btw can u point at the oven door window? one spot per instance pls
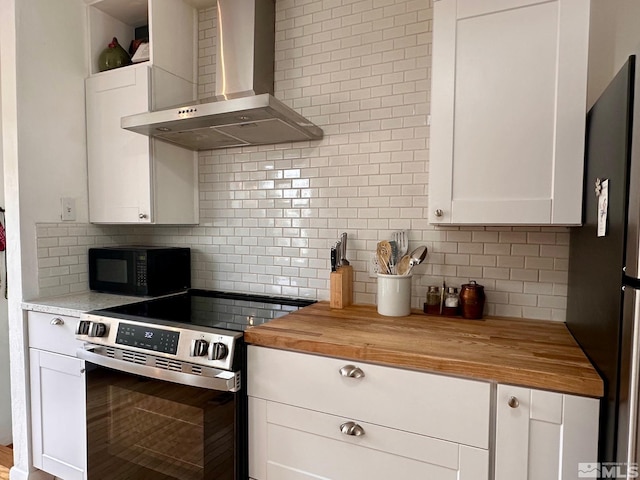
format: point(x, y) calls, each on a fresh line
point(140, 428)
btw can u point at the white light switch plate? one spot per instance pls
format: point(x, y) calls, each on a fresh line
point(68, 209)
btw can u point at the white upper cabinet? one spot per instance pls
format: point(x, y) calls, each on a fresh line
point(508, 102)
point(131, 178)
point(173, 31)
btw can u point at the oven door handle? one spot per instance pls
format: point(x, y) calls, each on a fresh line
point(224, 381)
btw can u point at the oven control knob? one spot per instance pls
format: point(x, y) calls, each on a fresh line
point(83, 327)
point(97, 329)
point(217, 351)
point(199, 347)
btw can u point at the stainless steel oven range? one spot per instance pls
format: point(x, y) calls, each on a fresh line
point(166, 396)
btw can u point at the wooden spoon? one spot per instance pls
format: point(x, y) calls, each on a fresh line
point(404, 265)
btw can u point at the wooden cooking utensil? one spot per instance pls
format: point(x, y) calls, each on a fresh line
point(383, 254)
point(404, 266)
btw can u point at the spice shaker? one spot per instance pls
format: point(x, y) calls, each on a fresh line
point(451, 301)
point(472, 300)
point(433, 300)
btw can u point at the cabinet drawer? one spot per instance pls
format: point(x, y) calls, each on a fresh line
point(47, 333)
point(297, 435)
point(438, 406)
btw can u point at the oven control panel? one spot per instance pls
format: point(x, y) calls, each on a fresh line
point(149, 338)
point(203, 346)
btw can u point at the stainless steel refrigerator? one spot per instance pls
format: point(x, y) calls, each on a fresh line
point(603, 307)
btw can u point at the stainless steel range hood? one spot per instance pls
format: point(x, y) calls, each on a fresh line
point(244, 111)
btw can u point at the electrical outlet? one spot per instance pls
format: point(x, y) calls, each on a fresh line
point(374, 268)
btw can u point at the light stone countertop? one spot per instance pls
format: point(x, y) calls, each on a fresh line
point(74, 304)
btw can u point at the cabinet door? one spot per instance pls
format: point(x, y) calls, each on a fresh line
point(508, 111)
point(119, 161)
point(542, 435)
point(58, 414)
point(293, 443)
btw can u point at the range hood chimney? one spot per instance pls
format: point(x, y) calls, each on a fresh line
point(244, 111)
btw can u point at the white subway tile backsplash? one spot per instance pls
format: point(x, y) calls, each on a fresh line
point(509, 286)
point(510, 261)
point(508, 310)
point(523, 275)
point(523, 299)
point(525, 250)
point(538, 313)
point(483, 260)
point(360, 70)
point(513, 237)
point(539, 263)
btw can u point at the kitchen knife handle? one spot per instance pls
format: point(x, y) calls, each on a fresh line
point(333, 259)
point(343, 250)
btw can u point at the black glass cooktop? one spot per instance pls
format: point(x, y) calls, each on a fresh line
point(209, 308)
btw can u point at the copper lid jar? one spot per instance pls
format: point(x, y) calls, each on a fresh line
point(472, 300)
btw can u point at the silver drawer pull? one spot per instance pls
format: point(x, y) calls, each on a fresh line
point(57, 321)
point(352, 428)
point(351, 371)
point(513, 402)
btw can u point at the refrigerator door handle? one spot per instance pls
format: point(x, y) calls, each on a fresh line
point(634, 384)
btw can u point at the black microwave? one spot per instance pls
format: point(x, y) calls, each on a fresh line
point(135, 270)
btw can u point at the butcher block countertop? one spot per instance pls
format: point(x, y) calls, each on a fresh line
point(528, 353)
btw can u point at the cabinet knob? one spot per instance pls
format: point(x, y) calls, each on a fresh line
point(513, 402)
point(439, 213)
point(142, 216)
point(57, 321)
point(352, 429)
point(351, 371)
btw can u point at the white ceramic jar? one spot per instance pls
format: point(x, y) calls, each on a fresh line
point(394, 295)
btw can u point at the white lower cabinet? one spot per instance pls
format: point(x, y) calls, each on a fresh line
point(304, 444)
point(313, 417)
point(542, 435)
point(58, 414)
point(57, 381)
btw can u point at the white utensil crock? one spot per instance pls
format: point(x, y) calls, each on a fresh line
point(394, 295)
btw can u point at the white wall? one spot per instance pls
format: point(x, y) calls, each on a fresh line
point(614, 35)
point(51, 123)
point(5, 391)
point(43, 69)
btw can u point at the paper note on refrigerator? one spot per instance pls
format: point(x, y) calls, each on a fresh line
point(603, 207)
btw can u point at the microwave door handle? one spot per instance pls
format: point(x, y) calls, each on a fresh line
point(224, 381)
